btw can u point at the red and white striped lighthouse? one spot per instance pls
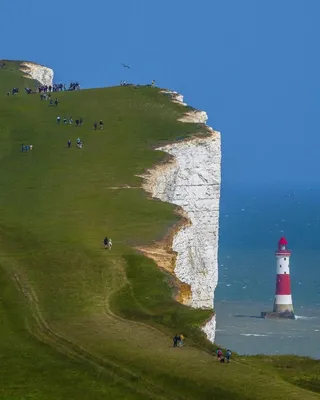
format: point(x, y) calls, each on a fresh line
point(283, 299)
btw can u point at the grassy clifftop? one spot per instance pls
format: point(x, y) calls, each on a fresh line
point(77, 321)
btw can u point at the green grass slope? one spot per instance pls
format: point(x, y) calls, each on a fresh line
point(76, 321)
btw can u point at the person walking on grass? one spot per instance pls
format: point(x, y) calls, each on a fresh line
point(219, 354)
point(176, 339)
point(101, 124)
point(106, 242)
point(181, 339)
point(56, 102)
point(228, 355)
point(58, 120)
point(95, 126)
point(69, 143)
point(80, 121)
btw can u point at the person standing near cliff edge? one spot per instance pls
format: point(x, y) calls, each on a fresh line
point(176, 338)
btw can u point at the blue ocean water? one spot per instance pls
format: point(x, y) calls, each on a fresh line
point(252, 220)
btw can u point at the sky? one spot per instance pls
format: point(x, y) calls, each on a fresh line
point(252, 65)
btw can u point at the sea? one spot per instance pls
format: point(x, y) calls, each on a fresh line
point(252, 220)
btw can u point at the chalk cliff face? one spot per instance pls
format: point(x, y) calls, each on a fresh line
point(38, 72)
point(191, 180)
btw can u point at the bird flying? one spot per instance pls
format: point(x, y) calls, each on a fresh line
point(125, 66)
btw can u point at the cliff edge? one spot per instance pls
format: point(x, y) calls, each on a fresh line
point(191, 180)
point(40, 73)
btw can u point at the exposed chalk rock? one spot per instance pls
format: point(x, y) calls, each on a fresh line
point(43, 75)
point(176, 97)
point(198, 117)
point(191, 180)
point(210, 328)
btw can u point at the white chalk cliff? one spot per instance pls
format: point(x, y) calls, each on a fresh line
point(191, 180)
point(43, 75)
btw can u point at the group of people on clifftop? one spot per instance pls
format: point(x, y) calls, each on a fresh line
point(58, 87)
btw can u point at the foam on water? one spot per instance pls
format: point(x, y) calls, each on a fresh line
point(252, 334)
point(304, 318)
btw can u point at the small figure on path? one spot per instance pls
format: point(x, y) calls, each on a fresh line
point(181, 339)
point(176, 339)
point(228, 355)
point(101, 124)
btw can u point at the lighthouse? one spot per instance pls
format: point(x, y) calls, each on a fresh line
point(282, 307)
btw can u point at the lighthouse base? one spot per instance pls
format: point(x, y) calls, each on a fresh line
point(277, 315)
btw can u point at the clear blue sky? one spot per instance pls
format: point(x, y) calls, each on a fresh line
point(253, 65)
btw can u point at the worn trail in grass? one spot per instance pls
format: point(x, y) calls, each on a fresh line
point(77, 321)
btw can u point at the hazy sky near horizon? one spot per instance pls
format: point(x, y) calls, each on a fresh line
point(254, 66)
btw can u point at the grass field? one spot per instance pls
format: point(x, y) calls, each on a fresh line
point(77, 322)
